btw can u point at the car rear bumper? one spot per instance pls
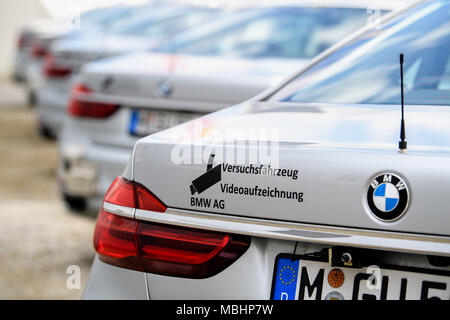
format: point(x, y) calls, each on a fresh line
point(33, 71)
point(252, 275)
point(113, 283)
point(52, 108)
point(88, 172)
point(20, 66)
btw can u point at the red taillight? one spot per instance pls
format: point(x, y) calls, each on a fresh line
point(187, 252)
point(81, 89)
point(158, 248)
point(21, 42)
point(121, 192)
point(38, 50)
point(162, 242)
point(114, 241)
point(147, 201)
point(53, 70)
point(80, 107)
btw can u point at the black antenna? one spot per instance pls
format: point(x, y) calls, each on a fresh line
point(402, 144)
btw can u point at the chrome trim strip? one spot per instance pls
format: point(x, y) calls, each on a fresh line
point(119, 210)
point(381, 240)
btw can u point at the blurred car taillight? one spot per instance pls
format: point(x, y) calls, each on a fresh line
point(53, 70)
point(159, 248)
point(38, 50)
point(21, 42)
point(80, 107)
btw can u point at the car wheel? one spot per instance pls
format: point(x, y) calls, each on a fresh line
point(75, 204)
point(46, 133)
point(31, 98)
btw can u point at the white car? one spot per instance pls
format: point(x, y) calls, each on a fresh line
point(66, 57)
point(327, 207)
point(221, 63)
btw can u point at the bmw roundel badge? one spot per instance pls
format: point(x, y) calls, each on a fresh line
point(387, 197)
point(164, 88)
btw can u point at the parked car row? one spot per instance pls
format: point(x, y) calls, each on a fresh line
point(299, 190)
point(217, 64)
point(36, 38)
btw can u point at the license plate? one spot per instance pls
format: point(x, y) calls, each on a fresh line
point(145, 122)
point(304, 279)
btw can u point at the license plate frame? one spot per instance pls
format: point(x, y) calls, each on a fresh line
point(330, 293)
point(147, 121)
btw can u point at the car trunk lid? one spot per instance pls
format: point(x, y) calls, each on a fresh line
point(182, 82)
point(327, 157)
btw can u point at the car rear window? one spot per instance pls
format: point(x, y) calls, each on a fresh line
point(291, 32)
point(367, 71)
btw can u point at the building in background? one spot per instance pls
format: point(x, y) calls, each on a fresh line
point(14, 14)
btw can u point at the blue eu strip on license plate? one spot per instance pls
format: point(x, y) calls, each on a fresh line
point(134, 122)
point(286, 276)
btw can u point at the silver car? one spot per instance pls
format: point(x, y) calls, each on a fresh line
point(30, 51)
point(221, 63)
point(322, 204)
point(66, 57)
point(36, 39)
point(25, 40)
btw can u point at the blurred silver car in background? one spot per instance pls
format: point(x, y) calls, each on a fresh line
point(337, 213)
point(35, 40)
point(29, 44)
point(118, 100)
point(65, 57)
point(27, 35)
